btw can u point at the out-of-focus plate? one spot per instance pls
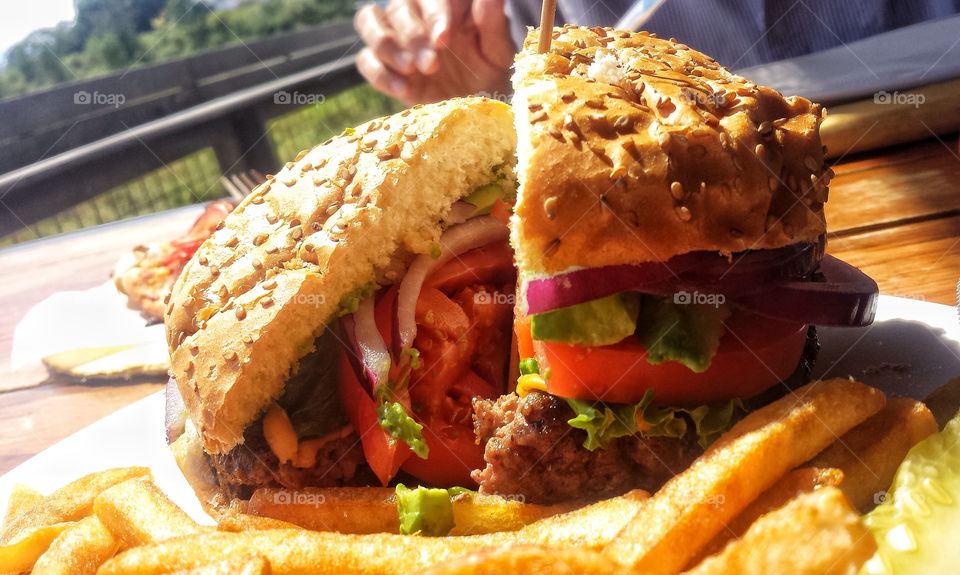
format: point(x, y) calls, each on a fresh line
point(913, 348)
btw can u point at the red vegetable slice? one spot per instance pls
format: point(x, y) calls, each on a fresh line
point(705, 272)
point(845, 297)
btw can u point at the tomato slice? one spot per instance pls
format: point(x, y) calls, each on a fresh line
point(454, 453)
point(492, 263)
point(754, 354)
point(383, 453)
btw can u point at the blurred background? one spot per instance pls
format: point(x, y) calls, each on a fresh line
point(117, 108)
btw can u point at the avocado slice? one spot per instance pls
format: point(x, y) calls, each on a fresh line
point(597, 322)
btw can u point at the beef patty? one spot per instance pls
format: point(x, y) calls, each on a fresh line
point(532, 452)
point(252, 464)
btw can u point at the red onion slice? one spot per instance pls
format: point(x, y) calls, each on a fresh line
point(175, 412)
point(473, 233)
point(845, 297)
point(373, 350)
point(367, 351)
point(706, 272)
point(460, 212)
point(348, 325)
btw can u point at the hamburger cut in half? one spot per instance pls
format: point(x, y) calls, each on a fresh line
point(297, 329)
point(669, 233)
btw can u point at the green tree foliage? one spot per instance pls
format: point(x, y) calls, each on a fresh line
point(111, 35)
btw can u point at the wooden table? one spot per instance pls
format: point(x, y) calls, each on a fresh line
point(893, 213)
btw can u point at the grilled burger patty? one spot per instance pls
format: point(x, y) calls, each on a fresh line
point(252, 465)
point(532, 452)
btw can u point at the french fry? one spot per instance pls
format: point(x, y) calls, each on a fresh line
point(242, 522)
point(19, 554)
point(817, 533)
point(79, 550)
point(694, 506)
point(69, 503)
point(21, 498)
point(797, 482)
point(234, 566)
point(870, 453)
point(137, 512)
point(539, 559)
point(319, 553)
point(341, 509)
point(374, 510)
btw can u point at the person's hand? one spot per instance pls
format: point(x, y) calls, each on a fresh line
point(429, 50)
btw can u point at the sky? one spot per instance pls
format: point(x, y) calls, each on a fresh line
point(19, 18)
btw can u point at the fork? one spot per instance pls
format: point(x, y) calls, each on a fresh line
point(240, 184)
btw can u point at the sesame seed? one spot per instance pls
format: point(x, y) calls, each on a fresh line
point(257, 264)
point(241, 312)
point(683, 212)
point(257, 200)
point(270, 284)
point(811, 164)
point(288, 165)
point(259, 239)
point(272, 218)
point(538, 117)
point(556, 133)
point(595, 104)
point(550, 207)
point(308, 248)
point(296, 234)
point(229, 355)
point(203, 260)
point(676, 190)
point(214, 271)
point(773, 183)
point(266, 302)
point(232, 242)
point(246, 338)
point(568, 96)
point(765, 128)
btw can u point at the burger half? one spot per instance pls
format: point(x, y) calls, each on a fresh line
point(669, 233)
point(336, 327)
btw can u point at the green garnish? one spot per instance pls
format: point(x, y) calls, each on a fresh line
point(395, 420)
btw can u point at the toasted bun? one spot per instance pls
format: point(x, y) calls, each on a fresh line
point(255, 296)
point(635, 149)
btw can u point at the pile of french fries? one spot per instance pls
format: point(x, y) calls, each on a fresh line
point(781, 492)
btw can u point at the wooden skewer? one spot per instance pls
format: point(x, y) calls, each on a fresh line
point(547, 13)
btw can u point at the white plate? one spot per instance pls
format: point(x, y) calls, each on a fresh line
point(922, 340)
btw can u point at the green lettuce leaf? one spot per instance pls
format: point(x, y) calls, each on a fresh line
point(395, 420)
point(687, 333)
point(605, 422)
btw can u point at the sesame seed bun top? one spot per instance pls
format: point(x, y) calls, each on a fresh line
point(635, 149)
point(256, 295)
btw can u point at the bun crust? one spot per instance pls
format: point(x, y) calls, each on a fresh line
point(250, 303)
point(636, 149)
